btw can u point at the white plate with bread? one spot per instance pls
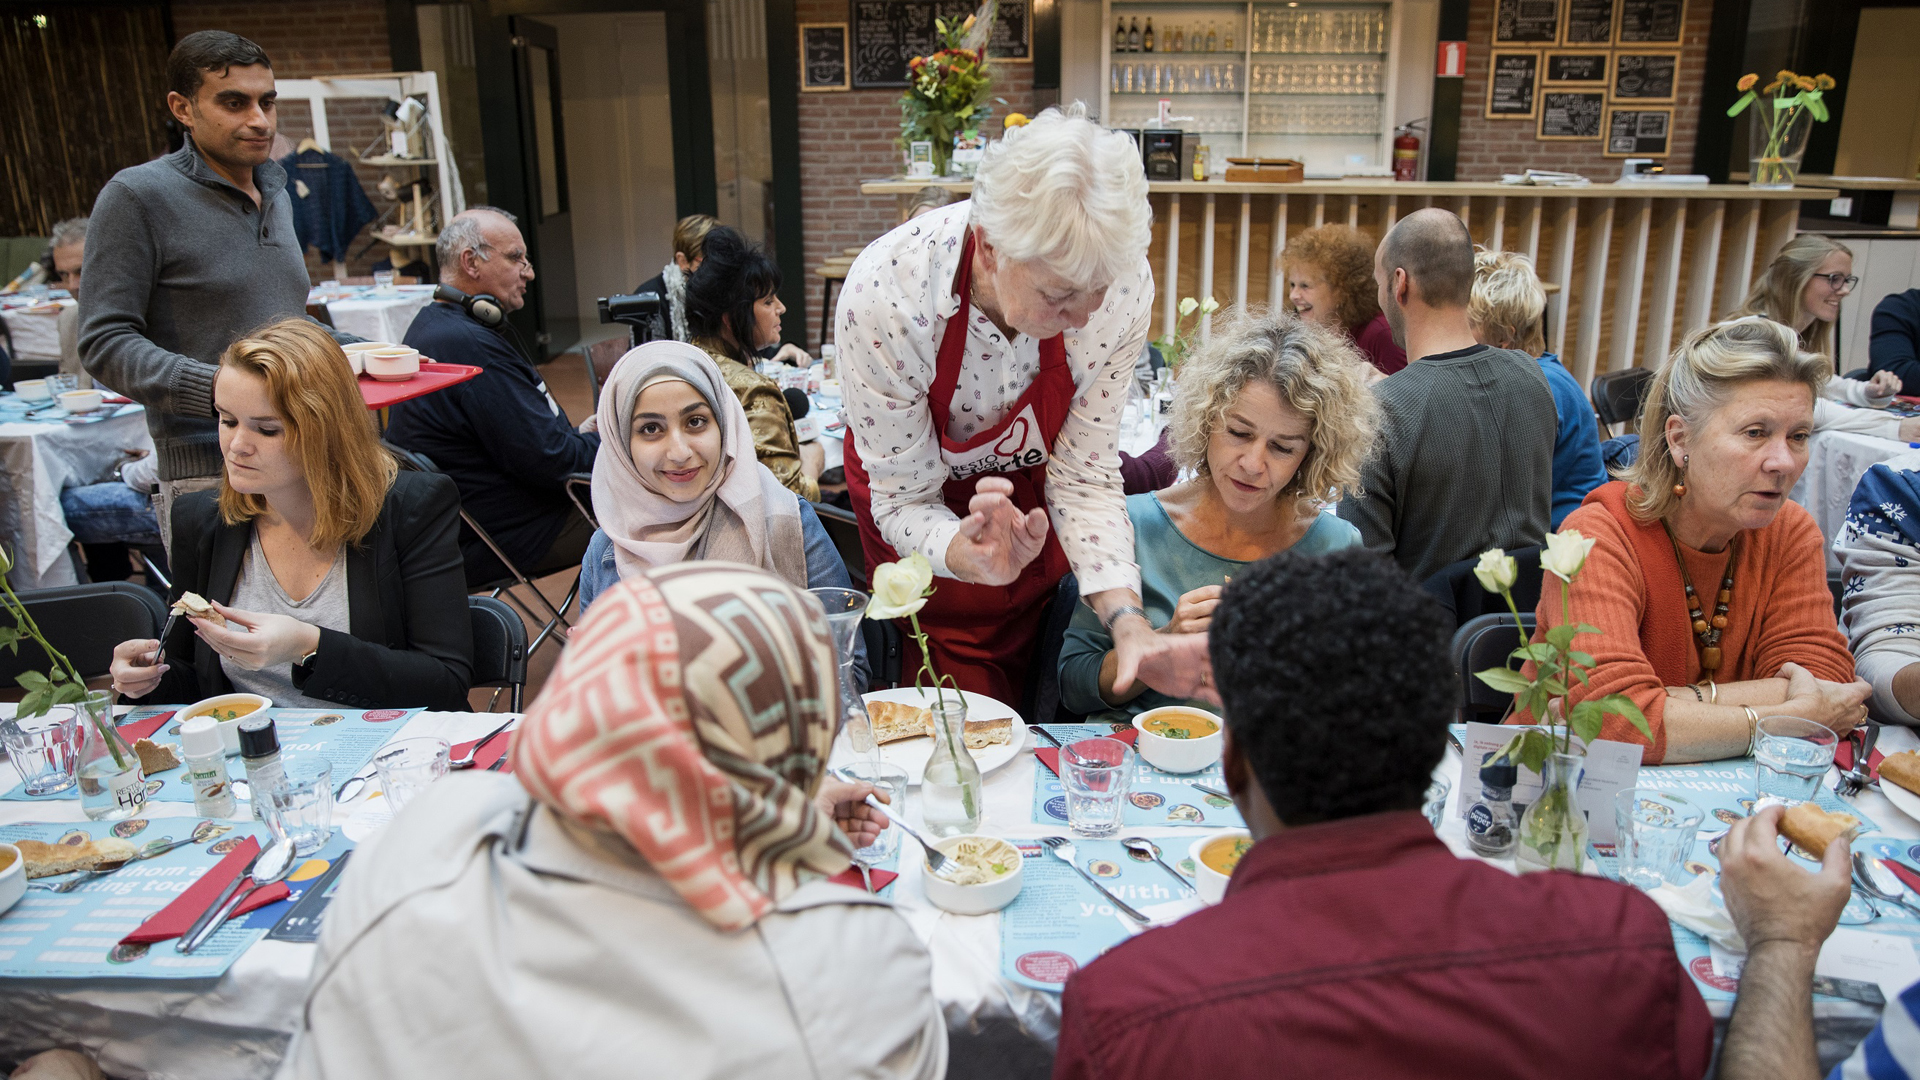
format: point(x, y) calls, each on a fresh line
point(904, 722)
point(1906, 765)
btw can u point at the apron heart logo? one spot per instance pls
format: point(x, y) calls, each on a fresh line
point(1014, 440)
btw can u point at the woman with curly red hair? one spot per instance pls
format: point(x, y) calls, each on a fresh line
point(1330, 281)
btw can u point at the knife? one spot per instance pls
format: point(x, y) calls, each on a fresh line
point(186, 942)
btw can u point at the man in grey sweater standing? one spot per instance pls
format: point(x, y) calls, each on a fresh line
point(190, 251)
point(1466, 450)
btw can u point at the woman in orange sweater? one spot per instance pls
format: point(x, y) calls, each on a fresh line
point(1707, 585)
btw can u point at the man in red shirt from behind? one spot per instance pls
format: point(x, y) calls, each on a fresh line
point(1352, 942)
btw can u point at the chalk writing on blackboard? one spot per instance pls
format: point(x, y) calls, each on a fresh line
point(1638, 132)
point(1645, 22)
point(888, 33)
point(1644, 76)
point(1571, 114)
point(1517, 22)
point(1589, 68)
point(1512, 79)
point(1589, 22)
point(823, 57)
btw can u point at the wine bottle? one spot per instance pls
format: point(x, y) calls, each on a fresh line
point(1213, 38)
point(1179, 38)
point(1133, 36)
point(1146, 39)
point(1120, 34)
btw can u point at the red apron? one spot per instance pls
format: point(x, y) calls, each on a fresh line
point(985, 636)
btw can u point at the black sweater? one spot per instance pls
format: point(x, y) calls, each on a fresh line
point(1895, 343)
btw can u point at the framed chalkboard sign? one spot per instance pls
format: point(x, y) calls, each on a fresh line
point(1526, 22)
point(1513, 84)
point(1645, 77)
point(888, 33)
point(823, 58)
point(1575, 67)
point(1650, 22)
point(1571, 114)
point(1589, 22)
point(1638, 132)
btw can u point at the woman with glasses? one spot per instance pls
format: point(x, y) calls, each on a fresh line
point(1802, 287)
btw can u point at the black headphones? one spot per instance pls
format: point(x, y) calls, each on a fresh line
point(484, 309)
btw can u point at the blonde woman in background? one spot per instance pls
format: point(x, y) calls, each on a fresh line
point(689, 248)
point(1802, 287)
point(1274, 417)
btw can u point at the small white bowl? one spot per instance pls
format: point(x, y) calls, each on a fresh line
point(1210, 884)
point(354, 352)
point(391, 365)
point(973, 899)
point(229, 729)
point(81, 401)
point(33, 390)
point(1178, 755)
point(13, 876)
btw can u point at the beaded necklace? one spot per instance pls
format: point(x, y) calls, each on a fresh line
point(1707, 631)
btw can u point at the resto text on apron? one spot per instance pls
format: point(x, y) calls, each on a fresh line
point(985, 636)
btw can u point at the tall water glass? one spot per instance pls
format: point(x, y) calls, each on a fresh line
point(45, 749)
point(304, 802)
point(845, 608)
point(1096, 774)
point(892, 780)
point(1792, 755)
point(1656, 831)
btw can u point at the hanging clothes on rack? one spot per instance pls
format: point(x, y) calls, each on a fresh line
point(329, 205)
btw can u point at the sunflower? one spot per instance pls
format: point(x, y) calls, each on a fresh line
point(1803, 82)
point(1747, 81)
point(1824, 82)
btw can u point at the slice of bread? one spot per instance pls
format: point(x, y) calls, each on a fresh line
point(199, 607)
point(1813, 828)
point(46, 860)
point(156, 757)
point(984, 733)
point(894, 721)
point(1902, 768)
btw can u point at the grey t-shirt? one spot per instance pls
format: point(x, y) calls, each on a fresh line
point(326, 607)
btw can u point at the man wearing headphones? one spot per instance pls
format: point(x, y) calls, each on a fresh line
point(501, 436)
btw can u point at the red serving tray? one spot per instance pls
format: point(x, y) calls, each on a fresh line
point(432, 377)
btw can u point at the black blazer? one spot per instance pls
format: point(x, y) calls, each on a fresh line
point(412, 641)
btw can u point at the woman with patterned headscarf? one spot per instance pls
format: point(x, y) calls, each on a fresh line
point(649, 893)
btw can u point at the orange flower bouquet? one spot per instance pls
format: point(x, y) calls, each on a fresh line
point(1787, 108)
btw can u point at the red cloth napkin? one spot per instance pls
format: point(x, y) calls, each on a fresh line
point(117, 399)
point(142, 729)
point(1050, 755)
point(489, 753)
point(1904, 872)
point(177, 918)
point(851, 876)
point(1843, 757)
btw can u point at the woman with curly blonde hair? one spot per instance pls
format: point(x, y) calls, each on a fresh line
point(1273, 421)
point(1330, 282)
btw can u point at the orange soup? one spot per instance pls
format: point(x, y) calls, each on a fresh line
point(227, 712)
point(6, 859)
point(1180, 724)
point(1224, 853)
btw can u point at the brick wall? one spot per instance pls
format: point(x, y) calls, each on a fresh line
point(849, 137)
point(1489, 148)
point(316, 37)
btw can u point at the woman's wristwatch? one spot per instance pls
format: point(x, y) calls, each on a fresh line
point(1123, 611)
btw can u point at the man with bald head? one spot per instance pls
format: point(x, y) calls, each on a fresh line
point(501, 436)
point(1466, 455)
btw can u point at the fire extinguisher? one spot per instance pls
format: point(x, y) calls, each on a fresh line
point(1406, 150)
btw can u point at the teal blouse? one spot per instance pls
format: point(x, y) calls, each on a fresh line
point(1170, 566)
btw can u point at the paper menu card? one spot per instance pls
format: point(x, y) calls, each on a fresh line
point(1611, 767)
point(1060, 924)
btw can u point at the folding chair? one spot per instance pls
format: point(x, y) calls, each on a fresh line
point(601, 356)
point(499, 649)
point(1483, 643)
point(844, 529)
point(580, 490)
point(1617, 395)
point(85, 622)
point(554, 623)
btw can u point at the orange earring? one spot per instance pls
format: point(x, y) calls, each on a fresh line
point(1680, 489)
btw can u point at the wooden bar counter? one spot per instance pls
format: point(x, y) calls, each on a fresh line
point(1631, 267)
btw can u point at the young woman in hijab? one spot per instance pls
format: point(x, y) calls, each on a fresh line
point(648, 893)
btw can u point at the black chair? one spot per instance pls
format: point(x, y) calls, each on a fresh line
point(580, 490)
point(844, 529)
point(1837, 585)
point(1859, 374)
point(1480, 644)
point(499, 649)
point(85, 622)
point(1462, 595)
point(1617, 396)
point(601, 356)
point(1042, 704)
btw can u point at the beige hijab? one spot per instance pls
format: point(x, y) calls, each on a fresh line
point(745, 515)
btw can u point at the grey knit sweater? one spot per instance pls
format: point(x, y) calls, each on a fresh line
point(1465, 461)
point(179, 264)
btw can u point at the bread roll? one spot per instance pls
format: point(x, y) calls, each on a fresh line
point(1902, 768)
point(981, 734)
point(1813, 828)
point(894, 721)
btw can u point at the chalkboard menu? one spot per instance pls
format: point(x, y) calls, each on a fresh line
point(1526, 22)
point(888, 33)
point(823, 57)
point(1638, 132)
point(1571, 114)
point(1512, 80)
point(1589, 22)
point(1644, 76)
point(1648, 22)
point(1580, 68)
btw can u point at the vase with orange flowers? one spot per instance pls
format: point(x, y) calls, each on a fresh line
point(1782, 118)
point(947, 90)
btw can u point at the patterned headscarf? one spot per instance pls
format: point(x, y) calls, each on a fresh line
point(692, 715)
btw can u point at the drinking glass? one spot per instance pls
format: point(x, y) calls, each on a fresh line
point(1096, 774)
point(845, 608)
point(1791, 756)
point(304, 802)
point(45, 750)
point(891, 779)
point(383, 282)
point(60, 384)
point(407, 766)
point(1656, 830)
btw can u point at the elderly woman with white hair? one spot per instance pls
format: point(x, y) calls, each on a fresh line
point(986, 349)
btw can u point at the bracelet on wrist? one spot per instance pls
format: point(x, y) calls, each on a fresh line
point(1122, 612)
point(1753, 727)
point(1696, 693)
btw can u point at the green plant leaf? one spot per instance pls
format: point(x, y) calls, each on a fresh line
point(1622, 706)
point(32, 680)
point(1562, 636)
point(1505, 680)
point(1539, 652)
point(1585, 660)
point(1586, 721)
point(1535, 747)
point(1817, 107)
point(1740, 106)
point(68, 693)
point(34, 704)
point(1556, 686)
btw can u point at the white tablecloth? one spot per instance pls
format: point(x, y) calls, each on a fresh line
point(1836, 461)
point(376, 318)
point(38, 459)
point(36, 335)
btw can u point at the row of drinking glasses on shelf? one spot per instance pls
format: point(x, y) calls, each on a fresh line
point(1295, 31)
point(1174, 77)
point(1206, 118)
point(1317, 77)
point(1314, 118)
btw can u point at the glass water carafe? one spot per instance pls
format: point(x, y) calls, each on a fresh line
point(112, 784)
point(950, 791)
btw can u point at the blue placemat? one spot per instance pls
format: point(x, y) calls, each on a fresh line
point(1156, 799)
point(1060, 924)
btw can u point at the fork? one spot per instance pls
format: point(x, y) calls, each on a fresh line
point(1859, 776)
point(1863, 876)
point(936, 859)
point(465, 761)
point(1062, 849)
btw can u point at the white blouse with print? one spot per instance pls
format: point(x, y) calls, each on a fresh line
point(893, 311)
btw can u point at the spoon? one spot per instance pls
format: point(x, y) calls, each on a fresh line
point(936, 859)
point(269, 867)
point(1867, 874)
point(1146, 848)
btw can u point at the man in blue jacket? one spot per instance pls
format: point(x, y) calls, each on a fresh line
point(1895, 342)
point(501, 437)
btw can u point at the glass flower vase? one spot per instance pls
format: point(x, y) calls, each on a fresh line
point(1553, 831)
point(1776, 143)
point(950, 793)
point(112, 784)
